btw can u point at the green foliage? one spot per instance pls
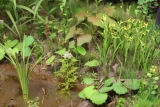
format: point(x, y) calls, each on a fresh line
point(1, 29)
point(132, 84)
point(88, 80)
point(10, 50)
point(99, 96)
point(143, 102)
point(33, 103)
point(144, 6)
point(132, 43)
point(149, 86)
point(37, 50)
point(50, 60)
point(5, 5)
point(61, 52)
point(119, 88)
point(121, 102)
point(92, 63)
point(68, 72)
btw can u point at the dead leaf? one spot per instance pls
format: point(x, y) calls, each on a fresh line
point(110, 11)
point(73, 31)
point(81, 40)
point(96, 20)
point(81, 15)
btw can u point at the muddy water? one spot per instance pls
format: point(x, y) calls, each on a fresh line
point(41, 85)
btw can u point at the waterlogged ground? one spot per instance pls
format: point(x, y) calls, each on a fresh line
point(41, 85)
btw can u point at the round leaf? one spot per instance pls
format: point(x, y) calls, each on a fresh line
point(119, 88)
point(98, 98)
point(19, 46)
point(10, 43)
point(88, 91)
point(88, 80)
point(28, 40)
point(81, 95)
point(132, 84)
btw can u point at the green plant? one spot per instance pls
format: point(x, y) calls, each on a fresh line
point(132, 39)
point(11, 51)
point(149, 86)
point(97, 2)
point(17, 17)
point(38, 50)
point(33, 103)
point(143, 102)
point(68, 72)
point(5, 5)
point(100, 95)
point(144, 6)
point(1, 29)
point(121, 102)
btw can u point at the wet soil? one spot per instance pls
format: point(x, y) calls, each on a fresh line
point(41, 85)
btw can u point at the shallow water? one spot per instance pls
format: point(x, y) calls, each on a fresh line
point(41, 85)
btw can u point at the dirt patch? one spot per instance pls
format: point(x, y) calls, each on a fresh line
point(43, 86)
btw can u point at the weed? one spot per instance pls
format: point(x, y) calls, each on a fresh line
point(68, 72)
point(149, 86)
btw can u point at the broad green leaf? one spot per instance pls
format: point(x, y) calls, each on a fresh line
point(119, 88)
point(105, 89)
point(9, 51)
point(81, 50)
point(88, 91)
point(92, 63)
point(99, 98)
point(133, 84)
point(15, 51)
point(10, 43)
point(50, 60)
point(88, 80)
point(2, 53)
point(109, 81)
point(61, 52)
point(26, 52)
point(28, 40)
point(81, 95)
point(19, 46)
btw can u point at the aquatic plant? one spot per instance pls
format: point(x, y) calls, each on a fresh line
point(11, 50)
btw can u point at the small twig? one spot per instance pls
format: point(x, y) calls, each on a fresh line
point(44, 93)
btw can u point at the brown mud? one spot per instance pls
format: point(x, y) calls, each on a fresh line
point(41, 85)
